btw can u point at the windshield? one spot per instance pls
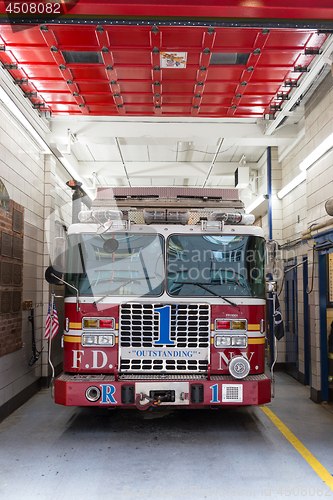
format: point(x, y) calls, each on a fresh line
point(115, 264)
point(207, 265)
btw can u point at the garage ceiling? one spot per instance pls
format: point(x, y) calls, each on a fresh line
point(162, 102)
point(166, 71)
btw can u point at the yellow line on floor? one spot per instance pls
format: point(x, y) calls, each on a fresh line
point(312, 461)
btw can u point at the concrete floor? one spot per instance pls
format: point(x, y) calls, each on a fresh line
point(57, 453)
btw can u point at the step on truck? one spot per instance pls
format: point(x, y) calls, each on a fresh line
point(164, 302)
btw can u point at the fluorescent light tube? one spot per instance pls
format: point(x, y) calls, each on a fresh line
point(317, 153)
point(291, 185)
point(255, 204)
point(4, 97)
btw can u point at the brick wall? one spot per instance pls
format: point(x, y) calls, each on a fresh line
point(11, 269)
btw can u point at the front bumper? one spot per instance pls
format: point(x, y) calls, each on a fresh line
point(220, 390)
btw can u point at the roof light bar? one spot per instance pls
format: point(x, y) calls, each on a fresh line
point(163, 216)
point(100, 215)
point(233, 218)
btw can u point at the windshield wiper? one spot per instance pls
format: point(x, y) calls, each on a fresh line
point(201, 285)
point(123, 284)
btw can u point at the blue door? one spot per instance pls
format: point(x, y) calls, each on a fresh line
point(290, 322)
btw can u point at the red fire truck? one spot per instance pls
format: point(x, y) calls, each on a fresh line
point(164, 302)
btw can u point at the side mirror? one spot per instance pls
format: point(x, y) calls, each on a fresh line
point(54, 276)
point(271, 286)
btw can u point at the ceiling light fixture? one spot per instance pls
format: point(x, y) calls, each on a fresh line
point(258, 201)
point(325, 146)
point(15, 111)
point(291, 185)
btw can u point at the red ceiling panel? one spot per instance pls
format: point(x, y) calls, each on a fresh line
point(181, 39)
point(46, 87)
point(224, 73)
point(138, 98)
point(26, 56)
point(41, 71)
point(128, 36)
point(131, 77)
point(78, 37)
point(134, 72)
point(131, 57)
point(236, 39)
point(219, 100)
point(175, 75)
point(179, 86)
point(177, 99)
point(139, 86)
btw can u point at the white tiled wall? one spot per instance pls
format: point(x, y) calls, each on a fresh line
point(37, 183)
point(304, 206)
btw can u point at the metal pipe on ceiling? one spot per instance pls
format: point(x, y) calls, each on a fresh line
point(213, 161)
point(123, 161)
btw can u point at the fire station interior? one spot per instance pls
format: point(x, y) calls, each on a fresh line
point(157, 100)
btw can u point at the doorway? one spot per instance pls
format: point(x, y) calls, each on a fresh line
point(291, 324)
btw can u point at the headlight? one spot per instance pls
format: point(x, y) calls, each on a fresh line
point(96, 339)
point(239, 340)
point(222, 340)
point(105, 340)
point(230, 340)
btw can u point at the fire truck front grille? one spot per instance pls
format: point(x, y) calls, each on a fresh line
point(187, 336)
point(165, 365)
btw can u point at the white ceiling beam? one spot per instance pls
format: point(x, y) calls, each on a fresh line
point(149, 169)
point(125, 129)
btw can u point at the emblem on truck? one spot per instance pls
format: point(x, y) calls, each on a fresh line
point(164, 328)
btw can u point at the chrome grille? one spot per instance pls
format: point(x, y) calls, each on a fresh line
point(139, 331)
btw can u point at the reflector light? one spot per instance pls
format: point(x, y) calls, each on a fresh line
point(90, 323)
point(106, 323)
point(235, 324)
point(239, 325)
point(222, 325)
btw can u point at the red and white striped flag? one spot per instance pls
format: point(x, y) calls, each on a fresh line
point(55, 322)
